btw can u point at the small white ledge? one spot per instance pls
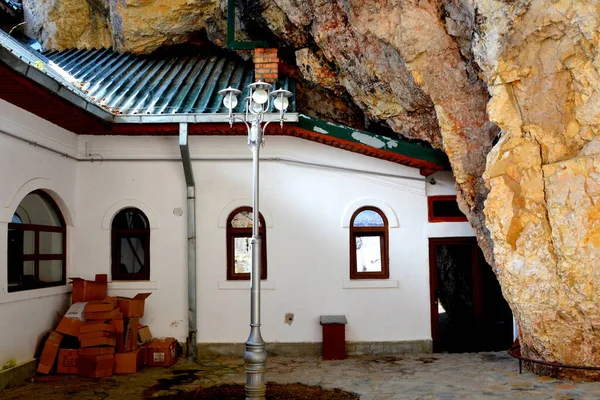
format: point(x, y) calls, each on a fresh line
point(133, 285)
point(370, 284)
point(245, 285)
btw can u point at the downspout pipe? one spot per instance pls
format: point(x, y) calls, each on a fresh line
point(186, 161)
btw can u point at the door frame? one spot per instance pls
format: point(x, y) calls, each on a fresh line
point(433, 283)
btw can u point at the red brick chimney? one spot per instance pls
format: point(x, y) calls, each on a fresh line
point(266, 65)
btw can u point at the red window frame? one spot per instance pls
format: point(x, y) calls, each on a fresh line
point(430, 211)
point(361, 231)
point(233, 233)
point(140, 233)
point(36, 257)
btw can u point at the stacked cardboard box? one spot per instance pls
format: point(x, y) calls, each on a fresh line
point(107, 335)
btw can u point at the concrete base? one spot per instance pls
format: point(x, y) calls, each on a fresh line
point(389, 348)
point(315, 349)
point(18, 374)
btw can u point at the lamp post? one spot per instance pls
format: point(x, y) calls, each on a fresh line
point(256, 105)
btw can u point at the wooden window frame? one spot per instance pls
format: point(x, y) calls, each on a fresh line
point(36, 257)
point(117, 235)
point(233, 233)
point(361, 231)
point(432, 218)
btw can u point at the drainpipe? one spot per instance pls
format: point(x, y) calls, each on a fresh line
point(191, 233)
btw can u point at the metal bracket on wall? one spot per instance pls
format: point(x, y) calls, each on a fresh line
point(233, 44)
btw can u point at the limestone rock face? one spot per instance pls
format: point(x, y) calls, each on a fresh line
point(142, 26)
point(62, 24)
point(540, 61)
point(135, 26)
point(508, 89)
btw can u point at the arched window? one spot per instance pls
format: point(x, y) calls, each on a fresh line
point(239, 249)
point(130, 233)
point(37, 244)
point(369, 244)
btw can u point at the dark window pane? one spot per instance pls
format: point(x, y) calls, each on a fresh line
point(28, 242)
point(368, 218)
point(16, 219)
point(132, 255)
point(368, 254)
point(51, 271)
point(129, 219)
point(446, 208)
point(242, 253)
point(51, 242)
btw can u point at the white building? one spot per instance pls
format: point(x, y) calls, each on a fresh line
point(115, 177)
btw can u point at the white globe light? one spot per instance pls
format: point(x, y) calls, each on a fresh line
point(230, 101)
point(255, 107)
point(260, 96)
point(281, 103)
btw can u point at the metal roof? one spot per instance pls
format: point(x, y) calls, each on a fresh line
point(154, 84)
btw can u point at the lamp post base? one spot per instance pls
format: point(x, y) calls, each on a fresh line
point(255, 358)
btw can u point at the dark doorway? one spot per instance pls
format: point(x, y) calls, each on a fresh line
point(468, 312)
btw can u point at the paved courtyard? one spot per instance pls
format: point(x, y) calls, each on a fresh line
point(423, 377)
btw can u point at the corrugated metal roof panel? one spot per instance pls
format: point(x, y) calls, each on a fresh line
point(155, 84)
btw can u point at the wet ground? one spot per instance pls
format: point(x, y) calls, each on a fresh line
point(422, 377)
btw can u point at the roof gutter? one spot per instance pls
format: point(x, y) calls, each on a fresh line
point(194, 118)
point(191, 234)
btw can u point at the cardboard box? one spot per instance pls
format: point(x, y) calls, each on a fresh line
point(131, 334)
point(69, 326)
point(94, 326)
point(133, 307)
point(117, 323)
point(96, 366)
point(144, 335)
point(162, 352)
point(96, 351)
point(97, 334)
point(144, 350)
point(89, 290)
point(129, 363)
point(99, 341)
point(50, 352)
point(120, 343)
point(67, 361)
point(101, 315)
point(108, 304)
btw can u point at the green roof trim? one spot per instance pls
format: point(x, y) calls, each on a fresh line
point(380, 142)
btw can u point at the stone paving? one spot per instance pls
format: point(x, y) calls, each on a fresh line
point(422, 377)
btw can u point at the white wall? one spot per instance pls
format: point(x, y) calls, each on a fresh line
point(25, 316)
point(306, 209)
point(156, 188)
point(308, 248)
